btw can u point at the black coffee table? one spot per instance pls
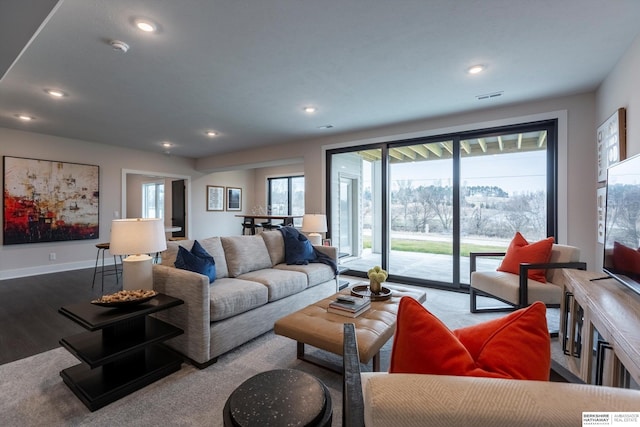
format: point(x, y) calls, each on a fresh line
point(121, 353)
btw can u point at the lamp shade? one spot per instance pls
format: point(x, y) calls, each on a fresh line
point(314, 223)
point(135, 236)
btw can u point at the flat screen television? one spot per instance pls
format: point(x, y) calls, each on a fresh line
point(621, 258)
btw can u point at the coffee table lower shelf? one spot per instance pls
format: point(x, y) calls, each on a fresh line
point(100, 386)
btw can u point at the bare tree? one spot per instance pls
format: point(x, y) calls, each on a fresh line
point(403, 197)
point(517, 210)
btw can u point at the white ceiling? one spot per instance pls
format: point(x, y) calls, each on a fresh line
point(246, 68)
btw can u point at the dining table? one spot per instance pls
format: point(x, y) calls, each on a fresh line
point(249, 222)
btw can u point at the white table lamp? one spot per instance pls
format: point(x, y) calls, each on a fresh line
point(137, 238)
point(314, 224)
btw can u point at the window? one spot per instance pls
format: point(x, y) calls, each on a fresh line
point(286, 197)
point(418, 207)
point(153, 200)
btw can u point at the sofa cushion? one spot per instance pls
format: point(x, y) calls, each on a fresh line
point(197, 260)
point(168, 257)
point(316, 273)
point(513, 346)
point(520, 251)
point(275, 246)
point(245, 253)
point(279, 283)
point(229, 297)
point(211, 244)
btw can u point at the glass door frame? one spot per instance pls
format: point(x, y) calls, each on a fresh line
point(551, 126)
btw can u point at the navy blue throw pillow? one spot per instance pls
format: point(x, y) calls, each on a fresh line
point(299, 251)
point(198, 260)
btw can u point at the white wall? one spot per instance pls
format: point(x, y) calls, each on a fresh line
point(28, 259)
point(621, 89)
point(220, 223)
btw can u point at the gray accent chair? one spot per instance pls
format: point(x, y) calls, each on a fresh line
point(517, 290)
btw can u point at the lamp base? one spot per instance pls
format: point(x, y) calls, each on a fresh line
point(315, 238)
point(137, 273)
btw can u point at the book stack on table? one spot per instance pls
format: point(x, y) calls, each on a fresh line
point(350, 306)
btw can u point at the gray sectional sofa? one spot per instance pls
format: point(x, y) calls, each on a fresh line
point(253, 288)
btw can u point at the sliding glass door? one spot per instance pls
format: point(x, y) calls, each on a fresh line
point(503, 190)
point(417, 208)
point(421, 211)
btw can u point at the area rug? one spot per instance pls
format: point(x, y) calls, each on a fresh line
point(32, 392)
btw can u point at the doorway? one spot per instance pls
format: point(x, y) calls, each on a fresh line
point(178, 207)
point(132, 198)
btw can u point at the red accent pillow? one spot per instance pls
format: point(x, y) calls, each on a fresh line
point(625, 258)
point(520, 251)
point(514, 346)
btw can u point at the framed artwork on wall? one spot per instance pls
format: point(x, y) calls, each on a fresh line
point(49, 201)
point(215, 198)
point(611, 142)
point(234, 199)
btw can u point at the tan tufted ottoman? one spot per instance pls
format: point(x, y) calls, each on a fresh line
point(313, 325)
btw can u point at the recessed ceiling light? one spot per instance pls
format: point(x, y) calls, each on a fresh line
point(310, 109)
point(55, 93)
point(25, 117)
point(476, 69)
point(211, 133)
point(166, 144)
point(145, 25)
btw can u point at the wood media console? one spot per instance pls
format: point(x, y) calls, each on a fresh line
point(600, 330)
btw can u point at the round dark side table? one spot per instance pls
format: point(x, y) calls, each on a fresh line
point(282, 397)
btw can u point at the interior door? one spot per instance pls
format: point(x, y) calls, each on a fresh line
point(178, 207)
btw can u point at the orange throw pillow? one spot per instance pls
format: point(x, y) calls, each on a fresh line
point(520, 251)
point(515, 346)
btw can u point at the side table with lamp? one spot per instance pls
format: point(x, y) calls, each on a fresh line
point(122, 350)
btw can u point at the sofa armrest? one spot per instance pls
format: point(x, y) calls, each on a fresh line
point(474, 255)
point(403, 400)
point(331, 251)
point(524, 275)
point(352, 399)
point(193, 316)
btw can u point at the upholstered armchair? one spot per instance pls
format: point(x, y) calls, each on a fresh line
point(517, 290)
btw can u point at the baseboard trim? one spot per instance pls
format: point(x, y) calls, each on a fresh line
point(45, 269)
